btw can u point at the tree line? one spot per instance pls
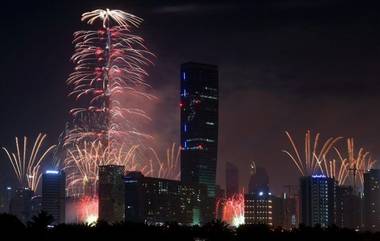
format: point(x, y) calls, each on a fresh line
point(39, 228)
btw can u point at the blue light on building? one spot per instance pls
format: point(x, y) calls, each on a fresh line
point(52, 172)
point(318, 176)
point(199, 94)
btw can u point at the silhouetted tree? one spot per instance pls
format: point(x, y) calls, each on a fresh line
point(41, 221)
point(216, 230)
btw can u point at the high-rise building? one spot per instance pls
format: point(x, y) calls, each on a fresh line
point(220, 198)
point(53, 194)
point(111, 193)
point(278, 211)
point(157, 200)
point(348, 209)
point(232, 179)
point(258, 208)
point(290, 211)
point(259, 180)
point(199, 124)
point(5, 199)
point(21, 204)
point(317, 200)
point(36, 205)
point(372, 200)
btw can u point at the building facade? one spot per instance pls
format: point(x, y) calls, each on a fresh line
point(111, 193)
point(36, 205)
point(317, 200)
point(199, 124)
point(5, 199)
point(372, 200)
point(54, 194)
point(258, 208)
point(259, 180)
point(290, 211)
point(21, 204)
point(348, 209)
point(156, 201)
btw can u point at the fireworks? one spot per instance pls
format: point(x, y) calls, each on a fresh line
point(109, 80)
point(109, 67)
point(309, 164)
point(233, 209)
point(27, 163)
point(339, 167)
point(88, 207)
point(338, 170)
point(168, 168)
point(83, 167)
point(354, 163)
point(83, 163)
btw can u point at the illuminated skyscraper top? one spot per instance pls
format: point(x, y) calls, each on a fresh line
point(199, 124)
point(53, 194)
point(317, 200)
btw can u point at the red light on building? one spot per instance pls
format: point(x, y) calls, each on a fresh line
point(98, 51)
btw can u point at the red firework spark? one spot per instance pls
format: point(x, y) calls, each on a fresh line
point(87, 209)
point(233, 209)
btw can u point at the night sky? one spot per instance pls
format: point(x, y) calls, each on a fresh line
point(284, 65)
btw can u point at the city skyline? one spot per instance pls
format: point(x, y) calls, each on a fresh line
point(268, 81)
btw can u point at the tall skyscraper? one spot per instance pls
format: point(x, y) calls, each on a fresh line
point(5, 199)
point(53, 194)
point(36, 205)
point(232, 179)
point(259, 180)
point(199, 124)
point(290, 211)
point(317, 200)
point(372, 200)
point(111, 193)
point(348, 209)
point(21, 204)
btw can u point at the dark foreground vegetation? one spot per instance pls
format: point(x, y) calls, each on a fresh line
point(38, 229)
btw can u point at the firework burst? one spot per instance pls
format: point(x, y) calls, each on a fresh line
point(337, 169)
point(168, 168)
point(352, 162)
point(109, 67)
point(88, 209)
point(109, 81)
point(83, 161)
point(311, 162)
point(26, 163)
point(233, 209)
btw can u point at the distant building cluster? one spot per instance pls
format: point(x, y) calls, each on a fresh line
point(196, 199)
